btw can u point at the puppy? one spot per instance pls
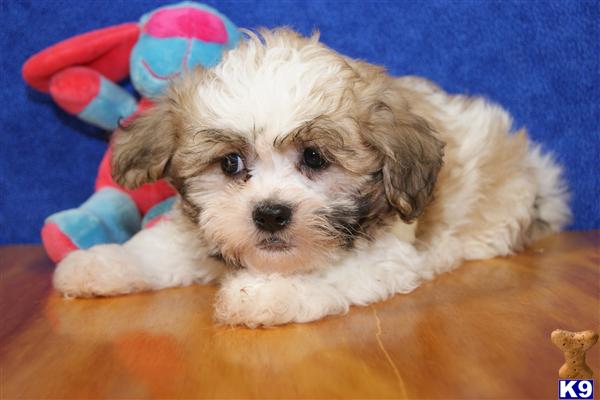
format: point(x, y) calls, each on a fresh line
point(310, 182)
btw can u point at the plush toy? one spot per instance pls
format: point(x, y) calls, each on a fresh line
point(81, 75)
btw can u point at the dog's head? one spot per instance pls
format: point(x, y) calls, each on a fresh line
point(286, 154)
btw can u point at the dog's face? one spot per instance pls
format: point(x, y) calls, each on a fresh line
point(286, 154)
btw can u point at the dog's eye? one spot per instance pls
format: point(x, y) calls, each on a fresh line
point(312, 158)
point(232, 164)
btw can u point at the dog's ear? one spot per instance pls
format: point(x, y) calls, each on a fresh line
point(412, 156)
point(142, 149)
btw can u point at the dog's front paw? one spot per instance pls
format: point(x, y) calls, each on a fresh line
point(274, 300)
point(103, 270)
point(255, 302)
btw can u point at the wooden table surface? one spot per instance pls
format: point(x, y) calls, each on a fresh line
point(481, 331)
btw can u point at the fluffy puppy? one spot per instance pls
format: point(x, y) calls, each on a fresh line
point(310, 182)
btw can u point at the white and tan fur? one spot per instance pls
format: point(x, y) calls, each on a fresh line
point(417, 181)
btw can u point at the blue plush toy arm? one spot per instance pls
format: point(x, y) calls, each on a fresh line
point(86, 93)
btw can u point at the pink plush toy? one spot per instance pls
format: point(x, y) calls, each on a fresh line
point(81, 75)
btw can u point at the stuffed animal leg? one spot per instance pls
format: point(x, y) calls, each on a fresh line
point(111, 215)
point(108, 216)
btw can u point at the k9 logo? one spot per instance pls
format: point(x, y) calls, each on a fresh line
point(575, 389)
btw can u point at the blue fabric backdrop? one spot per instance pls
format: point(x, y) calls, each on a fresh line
point(538, 59)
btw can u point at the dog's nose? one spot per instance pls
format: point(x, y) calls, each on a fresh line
point(271, 217)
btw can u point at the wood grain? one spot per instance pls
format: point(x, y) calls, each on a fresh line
point(481, 331)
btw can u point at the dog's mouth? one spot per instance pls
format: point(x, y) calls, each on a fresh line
point(274, 244)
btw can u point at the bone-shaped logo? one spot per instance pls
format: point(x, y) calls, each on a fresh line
point(574, 345)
